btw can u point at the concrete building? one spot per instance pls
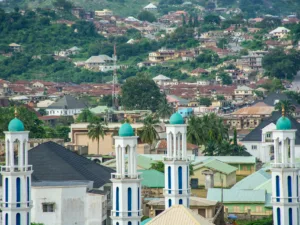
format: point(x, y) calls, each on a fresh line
point(279, 32)
point(150, 7)
point(127, 206)
point(66, 106)
point(177, 188)
point(103, 13)
point(285, 174)
point(95, 62)
point(161, 79)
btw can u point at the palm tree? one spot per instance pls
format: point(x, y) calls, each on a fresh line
point(194, 131)
point(85, 116)
point(97, 129)
point(289, 108)
point(164, 109)
point(148, 132)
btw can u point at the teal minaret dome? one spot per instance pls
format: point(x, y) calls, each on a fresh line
point(283, 123)
point(126, 130)
point(15, 125)
point(176, 118)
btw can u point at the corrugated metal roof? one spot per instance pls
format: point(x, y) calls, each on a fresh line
point(237, 196)
point(265, 186)
point(179, 215)
point(217, 165)
point(252, 181)
point(229, 159)
point(153, 179)
point(194, 201)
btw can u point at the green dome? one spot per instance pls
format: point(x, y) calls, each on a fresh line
point(176, 118)
point(15, 125)
point(283, 123)
point(126, 130)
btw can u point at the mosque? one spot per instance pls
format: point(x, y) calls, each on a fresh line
point(127, 207)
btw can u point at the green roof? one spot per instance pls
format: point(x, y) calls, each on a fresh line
point(252, 181)
point(15, 125)
point(153, 179)
point(144, 222)
point(237, 196)
point(126, 130)
point(217, 165)
point(265, 186)
point(176, 118)
point(144, 162)
point(228, 159)
point(283, 123)
point(100, 109)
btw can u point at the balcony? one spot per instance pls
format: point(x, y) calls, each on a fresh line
point(125, 176)
point(177, 192)
point(131, 214)
point(15, 205)
point(8, 169)
point(285, 200)
point(187, 158)
point(285, 165)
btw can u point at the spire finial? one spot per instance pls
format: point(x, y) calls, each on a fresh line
point(283, 110)
point(16, 112)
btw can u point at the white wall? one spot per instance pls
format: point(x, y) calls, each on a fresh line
point(63, 112)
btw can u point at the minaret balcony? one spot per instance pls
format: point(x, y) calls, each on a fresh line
point(127, 214)
point(287, 200)
point(177, 192)
point(285, 165)
point(8, 169)
point(177, 158)
point(15, 205)
point(124, 176)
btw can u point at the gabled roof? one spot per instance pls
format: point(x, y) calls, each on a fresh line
point(99, 59)
point(161, 77)
point(68, 102)
point(256, 134)
point(267, 185)
point(150, 6)
point(279, 29)
point(162, 145)
point(216, 165)
point(53, 162)
point(252, 181)
point(179, 215)
point(274, 97)
point(237, 196)
point(244, 88)
point(152, 179)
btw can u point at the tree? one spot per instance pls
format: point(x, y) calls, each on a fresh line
point(212, 19)
point(42, 112)
point(86, 116)
point(148, 132)
point(147, 16)
point(287, 105)
point(205, 101)
point(225, 78)
point(140, 92)
point(97, 129)
point(165, 110)
point(63, 4)
point(159, 166)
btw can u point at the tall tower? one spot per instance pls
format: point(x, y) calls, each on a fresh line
point(285, 175)
point(16, 176)
point(177, 188)
point(127, 206)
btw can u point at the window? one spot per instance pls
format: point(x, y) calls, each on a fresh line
point(48, 207)
point(258, 209)
point(254, 147)
point(246, 209)
point(268, 135)
point(236, 209)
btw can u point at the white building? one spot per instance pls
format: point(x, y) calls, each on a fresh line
point(285, 175)
point(127, 205)
point(177, 188)
point(66, 106)
point(151, 7)
point(161, 79)
point(259, 142)
point(279, 32)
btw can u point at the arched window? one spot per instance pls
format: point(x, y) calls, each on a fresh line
point(117, 201)
point(28, 191)
point(18, 187)
point(180, 179)
point(277, 188)
point(169, 179)
point(6, 219)
point(129, 223)
point(297, 182)
point(180, 202)
point(187, 176)
point(278, 217)
point(129, 201)
point(6, 191)
point(138, 201)
point(170, 202)
point(18, 219)
point(117, 223)
point(28, 220)
point(289, 183)
point(290, 216)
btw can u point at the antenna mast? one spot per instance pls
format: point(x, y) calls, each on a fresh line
point(115, 79)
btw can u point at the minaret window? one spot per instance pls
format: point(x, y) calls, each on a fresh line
point(18, 219)
point(290, 216)
point(28, 219)
point(170, 202)
point(6, 191)
point(129, 201)
point(277, 188)
point(117, 201)
point(289, 181)
point(297, 182)
point(278, 217)
point(169, 179)
point(18, 191)
point(180, 179)
point(180, 202)
point(129, 223)
point(6, 219)
point(138, 201)
point(28, 191)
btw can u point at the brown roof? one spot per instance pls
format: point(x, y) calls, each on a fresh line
point(255, 110)
point(162, 145)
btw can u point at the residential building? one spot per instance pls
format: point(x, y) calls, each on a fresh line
point(161, 79)
point(199, 72)
point(152, 188)
point(253, 60)
point(162, 54)
point(66, 106)
point(161, 148)
point(279, 32)
point(15, 47)
point(95, 62)
point(150, 7)
point(65, 53)
point(103, 13)
point(243, 92)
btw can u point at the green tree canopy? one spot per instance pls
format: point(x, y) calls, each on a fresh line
point(147, 16)
point(205, 101)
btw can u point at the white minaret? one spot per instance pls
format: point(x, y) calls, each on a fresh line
point(127, 205)
point(285, 175)
point(177, 188)
point(16, 176)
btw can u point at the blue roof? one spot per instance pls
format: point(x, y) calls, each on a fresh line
point(126, 130)
point(176, 118)
point(283, 123)
point(15, 125)
point(252, 181)
point(146, 221)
